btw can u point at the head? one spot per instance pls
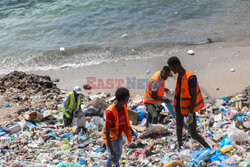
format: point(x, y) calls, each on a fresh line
point(77, 90)
point(165, 72)
point(174, 64)
point(122, 95)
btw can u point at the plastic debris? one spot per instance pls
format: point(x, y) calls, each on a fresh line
point(223, 123)
point(124, 35)
point(82, 161)
point(190, 52)
point(7, 105)
point(232, 70)
point(62, 49)
point(148, 71)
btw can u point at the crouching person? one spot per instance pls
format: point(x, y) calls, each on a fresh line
point(117, 122)
point(72, 111)
point(71, 104)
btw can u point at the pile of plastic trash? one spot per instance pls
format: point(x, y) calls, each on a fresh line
point(41, 140)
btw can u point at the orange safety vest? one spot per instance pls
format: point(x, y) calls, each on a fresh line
point(113, 133)
point(147, 98)
point(185, 99)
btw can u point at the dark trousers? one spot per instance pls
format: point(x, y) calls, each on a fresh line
point(153, 113)
point(191, 129)
point(67, 121)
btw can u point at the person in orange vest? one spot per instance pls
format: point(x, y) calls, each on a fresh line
point(117, 122)
point(154, 93)
point(187, 100)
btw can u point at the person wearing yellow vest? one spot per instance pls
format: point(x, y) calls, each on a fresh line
point(154, 93)
point(72, 104)
point(187, 100)
point(117, 122)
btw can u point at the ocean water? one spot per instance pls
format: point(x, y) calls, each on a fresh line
point(92, 31)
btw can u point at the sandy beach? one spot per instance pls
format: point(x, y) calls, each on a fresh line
point(211, 63)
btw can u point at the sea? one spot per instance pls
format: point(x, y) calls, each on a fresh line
point(54, 34)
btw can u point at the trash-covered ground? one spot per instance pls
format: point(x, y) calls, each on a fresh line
point(38, 138)
point(21, 92)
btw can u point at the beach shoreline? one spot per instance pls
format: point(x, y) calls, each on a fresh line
point(211, 63)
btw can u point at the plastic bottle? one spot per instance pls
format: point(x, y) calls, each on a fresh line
point(92, 134)
point(226, 148)
point(129, 152)
point(82, 161)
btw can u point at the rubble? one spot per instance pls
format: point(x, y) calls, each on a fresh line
point(21, 92)
point(36, 137)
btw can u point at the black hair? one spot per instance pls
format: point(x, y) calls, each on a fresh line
point(172, 61)
point(166, 68)
point(121, 94)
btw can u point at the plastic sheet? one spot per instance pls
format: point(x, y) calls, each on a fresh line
point(141, 114)
point(225, 141)
point(68, 165)
point(236, 134)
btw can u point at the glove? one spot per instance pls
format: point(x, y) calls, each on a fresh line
point(189, 118)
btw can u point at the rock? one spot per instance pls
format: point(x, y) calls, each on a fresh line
point(87, 87)
point(22, 110)
point(56, 80)
point(26, 82)
point(209, 40)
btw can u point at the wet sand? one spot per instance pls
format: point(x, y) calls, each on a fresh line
point(211, 63)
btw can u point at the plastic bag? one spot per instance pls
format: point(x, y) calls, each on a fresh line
point(82, 161)
point(169, 107)
point(166, 159)
point(236, 134)
point(68, 165)
point(220, 165)
point(217, 156)
point(200, 157)
point(244, 164)
point(226, 141)
point(143, 122)
point(79, 120)
point(99, 150)
point(185, 155)
point(235, 159)
point(141, 114)
point(97, 121)
point(17, 127)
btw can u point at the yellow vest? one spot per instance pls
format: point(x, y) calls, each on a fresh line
point(71, 104)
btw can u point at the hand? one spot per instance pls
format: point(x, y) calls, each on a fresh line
point(190, 118)
point(71, 115)
point(113, 156)
point(166, 100)
point(166, 90)
point(133, 133)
